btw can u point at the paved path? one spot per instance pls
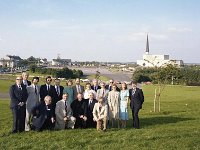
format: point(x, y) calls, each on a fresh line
point(119, 76)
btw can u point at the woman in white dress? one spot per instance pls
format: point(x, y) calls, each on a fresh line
point(124, 96)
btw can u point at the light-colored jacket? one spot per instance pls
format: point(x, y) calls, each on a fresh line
point(33, 98)
point(103, 93)
point(113, 102)
point(61, 113)
point(97, 114)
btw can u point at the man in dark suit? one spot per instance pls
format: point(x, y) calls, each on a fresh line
point(79, 110)
point(90, 105)
point(25, 81)
point(109, 86)
point(136, 100)
point(48, 89)
point(59, 89)
point(43, 117)
point(77, 88)
point(18, 95)
point(95, 85)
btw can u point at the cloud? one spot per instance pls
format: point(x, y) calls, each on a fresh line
point(54, 24)
point(179, 30)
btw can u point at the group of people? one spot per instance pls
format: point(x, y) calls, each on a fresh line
point(48, 106)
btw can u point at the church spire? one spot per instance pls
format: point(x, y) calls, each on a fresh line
point(147, 45)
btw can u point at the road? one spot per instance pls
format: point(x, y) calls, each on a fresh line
point(119, 76)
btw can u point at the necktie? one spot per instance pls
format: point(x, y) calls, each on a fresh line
point(20, 87)
point(48, 88)
point(35, 90)
point(65, 106)
point(90, 102)
point(57, 89)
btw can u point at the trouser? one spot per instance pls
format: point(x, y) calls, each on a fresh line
point(135, 112)
point(27, 120)
point(19, 115)
point(71, 122)
point(90, 122)
point(47, 125)
point(101, 124)
point(80, 123)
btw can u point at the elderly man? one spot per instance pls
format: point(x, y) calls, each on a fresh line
point(43, 117)
point(100, 113)
point(109, 87)
point(64, 118)
point(95, 85)
point(103, 92)
point(90, 102)
point(25, 76)
point(18, 96)
point(79, 109)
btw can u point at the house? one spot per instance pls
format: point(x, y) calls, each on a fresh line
point(10, 61)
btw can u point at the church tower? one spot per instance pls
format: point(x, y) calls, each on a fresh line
point(147, 46)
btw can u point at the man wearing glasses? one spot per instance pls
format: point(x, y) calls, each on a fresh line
point(18, 96)
point(109, 87)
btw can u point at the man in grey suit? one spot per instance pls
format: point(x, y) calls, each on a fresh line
point(64, 118)
point(77, 88)
point(103, 92)
point(32, 100)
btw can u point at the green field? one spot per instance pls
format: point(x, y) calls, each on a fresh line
point(177, 126)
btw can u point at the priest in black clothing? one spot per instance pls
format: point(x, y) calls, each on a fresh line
point(79, 109)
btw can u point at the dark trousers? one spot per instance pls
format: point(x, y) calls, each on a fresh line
point(80, 123)
point(136, 123)
point(19, 115)
point(91, 123)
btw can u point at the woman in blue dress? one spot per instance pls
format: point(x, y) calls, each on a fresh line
point(124, 96)
point(68, 89)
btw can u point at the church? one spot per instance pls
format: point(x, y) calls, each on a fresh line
point(157, 60)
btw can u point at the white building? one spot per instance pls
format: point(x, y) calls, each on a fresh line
point(157, 60)
point(10, 61)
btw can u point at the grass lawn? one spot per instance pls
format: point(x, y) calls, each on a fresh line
point(177, 126)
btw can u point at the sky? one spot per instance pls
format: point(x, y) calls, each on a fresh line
point(100, 30)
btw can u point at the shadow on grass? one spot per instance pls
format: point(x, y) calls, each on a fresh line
point(158, 120)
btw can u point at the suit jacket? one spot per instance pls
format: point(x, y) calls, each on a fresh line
point(41, 113)
point(113, 101)
point(90, 107)
point(51, 92)
point(62, 112)
point(28, 82)
point(79, 108)
point(104, 95)
point(136, 99)
point(95, 89)
point(97, 114)
point(110, 88)
point(33, 98)
point(17, 96)
point(76, 92)
point(61, 93)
